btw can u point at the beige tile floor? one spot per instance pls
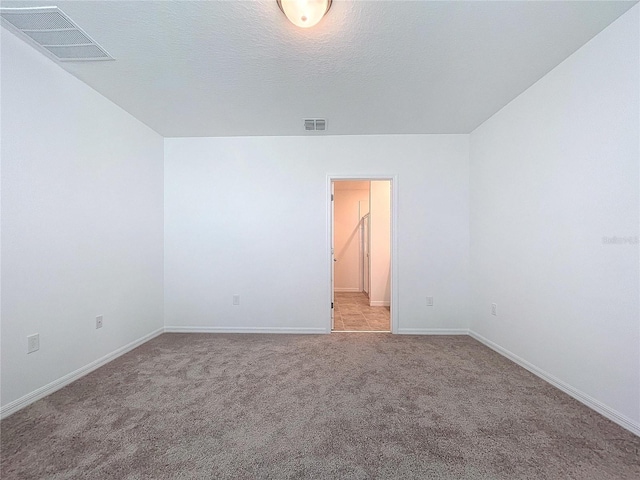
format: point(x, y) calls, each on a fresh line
point(352, 312)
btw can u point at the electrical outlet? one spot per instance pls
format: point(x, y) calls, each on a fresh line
point(429, 301)
point(33, 343)
point(99, 321)
point(494, 309)
point(236, 299)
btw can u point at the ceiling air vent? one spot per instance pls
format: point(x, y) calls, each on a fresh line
point(50, 29)
point(311, 124)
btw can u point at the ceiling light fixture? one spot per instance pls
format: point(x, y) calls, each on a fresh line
point(304, 13)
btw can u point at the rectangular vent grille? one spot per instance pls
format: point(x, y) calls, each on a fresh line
point(315, 124)
point(51, 30)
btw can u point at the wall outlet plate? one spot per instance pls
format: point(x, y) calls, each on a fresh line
point(99, 321)
point(33, 343)
point(236, 299)
point(494, 309)
point(429, 301)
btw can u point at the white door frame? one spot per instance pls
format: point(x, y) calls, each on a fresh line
point(394, 242)
point(333, 257)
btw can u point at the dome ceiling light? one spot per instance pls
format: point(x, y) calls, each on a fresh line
point(304, 13)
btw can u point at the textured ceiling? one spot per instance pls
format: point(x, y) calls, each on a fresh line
point(225, 68)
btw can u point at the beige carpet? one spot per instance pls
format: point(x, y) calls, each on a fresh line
point(354, 406)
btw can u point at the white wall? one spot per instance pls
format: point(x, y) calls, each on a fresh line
point(552, 174)
point(380, 294)
point(82, 206)
point(348, 203)
point(248, 216)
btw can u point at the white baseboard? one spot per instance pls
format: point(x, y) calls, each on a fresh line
point(379, 303)
point(347, 289)
point(601, 408)
point(244, 330)
point(48, 389)
point(433, 331)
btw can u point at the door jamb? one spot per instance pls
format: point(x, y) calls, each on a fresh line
point(394, 240)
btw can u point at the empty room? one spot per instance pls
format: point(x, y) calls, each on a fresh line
point(181, 297)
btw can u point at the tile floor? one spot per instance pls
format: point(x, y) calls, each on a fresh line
point(352, 312)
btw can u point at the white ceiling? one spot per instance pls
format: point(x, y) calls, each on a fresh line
point(226, 68)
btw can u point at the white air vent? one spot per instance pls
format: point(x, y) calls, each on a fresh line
point(311, 124)
point(50, 29)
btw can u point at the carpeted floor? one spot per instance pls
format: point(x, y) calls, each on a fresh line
point(356, 406)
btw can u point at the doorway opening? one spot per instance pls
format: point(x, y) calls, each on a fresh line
point(361, 255)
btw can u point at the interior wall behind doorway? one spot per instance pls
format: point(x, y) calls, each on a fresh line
point(351, 203)
point(380, 292)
